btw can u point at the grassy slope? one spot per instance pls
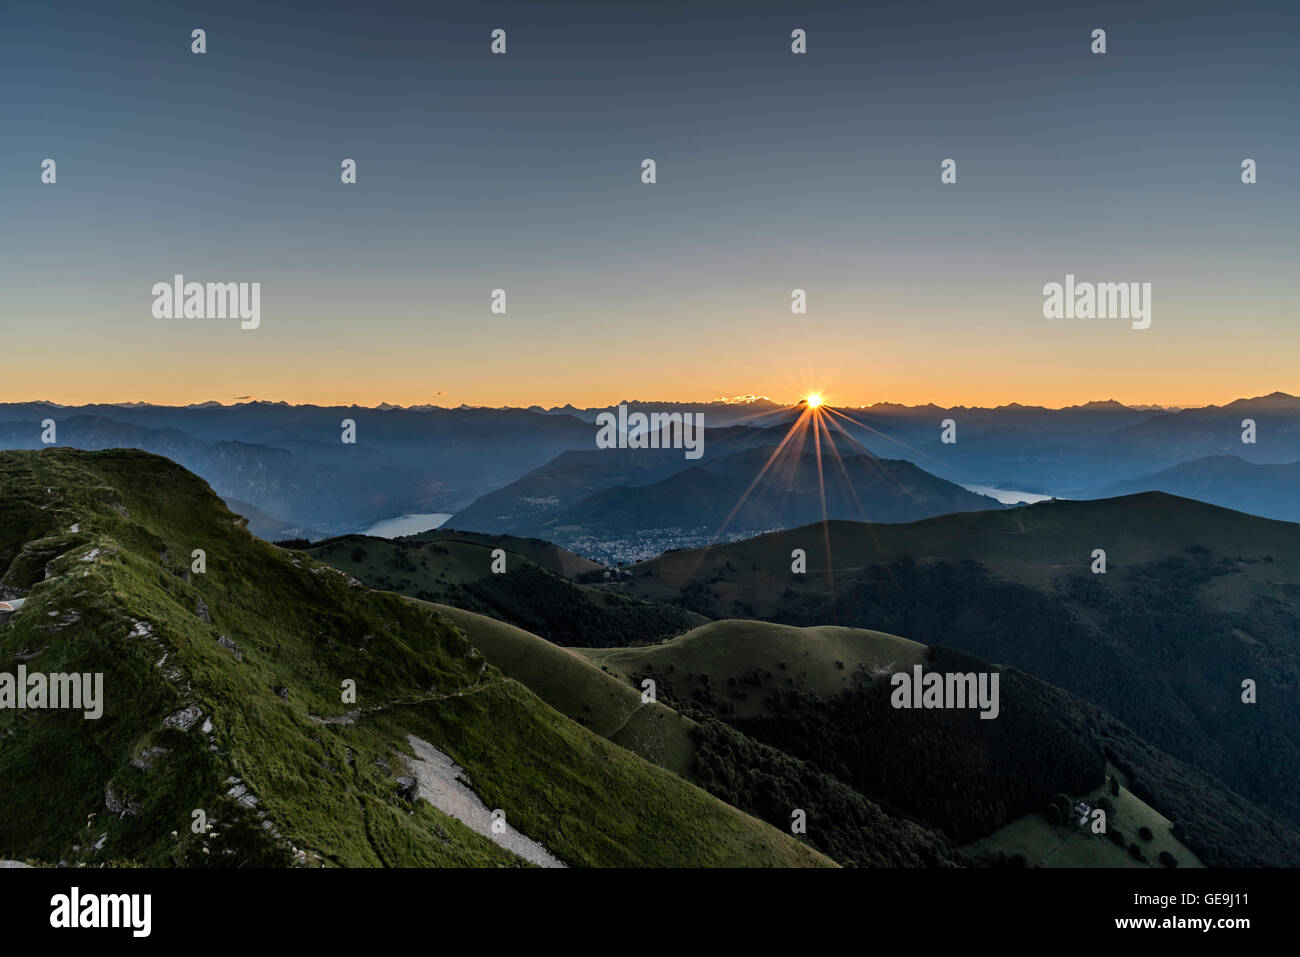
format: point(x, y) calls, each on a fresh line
point(546, 554)
point(574, 686)
point(532, 596)
point(1044, 845)
point(733, 649)
point(762, 781)
point(603, 698)
point(1195, 599)
point(133, 612)
point(1031, 545)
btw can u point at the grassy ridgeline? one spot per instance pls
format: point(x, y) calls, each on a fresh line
point(211, 681)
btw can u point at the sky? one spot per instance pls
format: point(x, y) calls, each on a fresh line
point(775, 171)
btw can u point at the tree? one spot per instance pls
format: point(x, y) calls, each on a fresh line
point(1168, 860)
point(1145, 833)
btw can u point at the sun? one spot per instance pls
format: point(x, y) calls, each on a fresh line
point(814, 399)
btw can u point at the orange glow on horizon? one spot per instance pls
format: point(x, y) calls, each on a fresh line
point(182, 386)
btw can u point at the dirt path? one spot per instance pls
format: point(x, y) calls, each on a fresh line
point(350, 717)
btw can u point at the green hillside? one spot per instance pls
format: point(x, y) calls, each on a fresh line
point(1195, 600)
point(1040, 842)
point(741, 657)
point(574, 686)
point(745, 773)
point(767, 694)
point(533, 593)
point(222, 693)
point(1029, 544)
point(550, 556)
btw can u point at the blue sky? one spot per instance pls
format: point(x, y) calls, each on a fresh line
point(522, 172)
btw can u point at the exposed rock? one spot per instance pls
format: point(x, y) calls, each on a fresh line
point(67, 618)
point(201, 609)
point(245, 797)
point(184, 719)
point(230, 646)
point(121, 806)
point(445, 785)
point(407, 788)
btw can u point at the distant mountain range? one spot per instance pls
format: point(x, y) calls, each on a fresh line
point(537, 471)
point(289, 463)
point(1272, 491)
point(761, 410)
point(1074, 459)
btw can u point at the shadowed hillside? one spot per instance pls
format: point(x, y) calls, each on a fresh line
point(1195, 600)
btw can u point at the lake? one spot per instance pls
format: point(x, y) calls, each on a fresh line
point(407, 524)
point(1007, 496)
